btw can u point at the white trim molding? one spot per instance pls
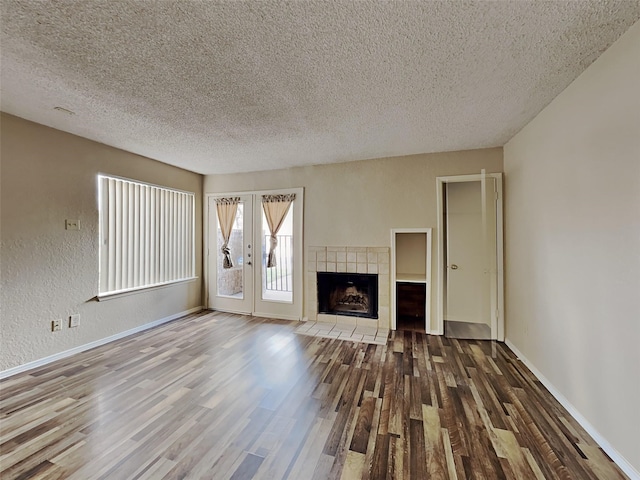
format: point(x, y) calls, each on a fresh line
point(134, 291)
point(97, 343)
point(619, 460)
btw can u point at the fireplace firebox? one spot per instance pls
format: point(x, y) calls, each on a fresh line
point(351, 294)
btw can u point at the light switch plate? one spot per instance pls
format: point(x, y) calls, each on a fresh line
point(74, 320)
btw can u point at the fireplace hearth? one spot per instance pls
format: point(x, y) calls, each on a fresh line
point(350, 294)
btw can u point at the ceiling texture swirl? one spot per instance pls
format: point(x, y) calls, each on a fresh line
point(221, 87)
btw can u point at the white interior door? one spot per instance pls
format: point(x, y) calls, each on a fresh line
point(231, 289)
point(465, 263)
point(249, 287)
point(470, 258)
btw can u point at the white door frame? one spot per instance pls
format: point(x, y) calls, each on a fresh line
point(298, 270)
point(499, 315)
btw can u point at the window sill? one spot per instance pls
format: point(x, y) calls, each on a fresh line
point(134, 291)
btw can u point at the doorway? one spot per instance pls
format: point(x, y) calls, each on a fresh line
point(249, 270)
point(470, 295)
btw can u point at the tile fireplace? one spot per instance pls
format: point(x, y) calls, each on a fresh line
point(349, 260)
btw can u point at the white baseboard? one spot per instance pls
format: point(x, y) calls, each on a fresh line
point(624, 465)
point(67, 353)
point(294, 318)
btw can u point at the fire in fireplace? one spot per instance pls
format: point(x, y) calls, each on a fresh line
point(352, 294)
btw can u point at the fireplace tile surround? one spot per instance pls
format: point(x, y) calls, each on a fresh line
point(348, 260)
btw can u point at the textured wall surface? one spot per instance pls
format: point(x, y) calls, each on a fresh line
point(573, 244)
point(222, 87)
point(48, 272)
point(356, 204)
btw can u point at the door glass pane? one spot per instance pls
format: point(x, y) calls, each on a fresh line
point(231, 280)
point(277, 282)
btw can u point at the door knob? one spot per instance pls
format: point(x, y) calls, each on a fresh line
point(248, 263)
point(454, 266)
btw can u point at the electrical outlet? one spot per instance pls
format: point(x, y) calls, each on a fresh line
point(72, 224)
point(56, 325)
point(74, 320)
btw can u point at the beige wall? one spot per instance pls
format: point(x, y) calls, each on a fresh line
point(358, 203)
point(573, 244)
point(49, 273)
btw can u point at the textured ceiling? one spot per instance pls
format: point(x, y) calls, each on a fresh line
point(219, 87)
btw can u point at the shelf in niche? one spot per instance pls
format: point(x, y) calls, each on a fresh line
point(410, 278)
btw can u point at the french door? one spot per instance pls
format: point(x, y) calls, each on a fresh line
point(249, 285)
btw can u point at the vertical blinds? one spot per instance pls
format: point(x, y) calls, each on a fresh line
point(147, 235)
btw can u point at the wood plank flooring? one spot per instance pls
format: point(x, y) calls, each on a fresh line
point(411, 324)
point(220, 396)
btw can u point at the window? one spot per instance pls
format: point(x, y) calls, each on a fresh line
point(147, 235)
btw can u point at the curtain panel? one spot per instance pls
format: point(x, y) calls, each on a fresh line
point(275, 209)
point(227, 209)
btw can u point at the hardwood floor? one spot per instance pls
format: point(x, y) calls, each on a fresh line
point(410, 324)
point(220, 396)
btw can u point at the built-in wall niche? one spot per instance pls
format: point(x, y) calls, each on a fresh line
point(411, 256)
point(411, 279)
